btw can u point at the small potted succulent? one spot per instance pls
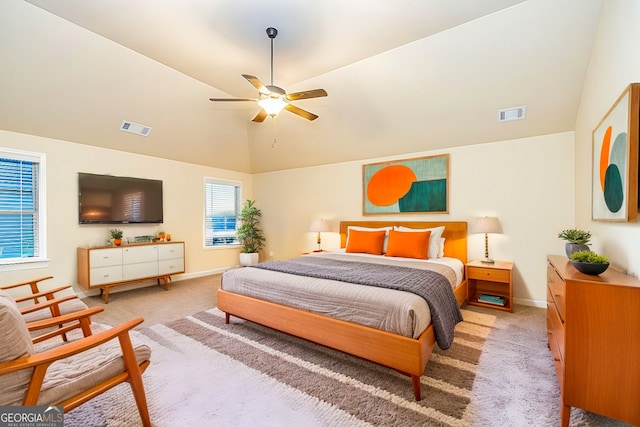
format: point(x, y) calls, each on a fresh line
point(116, 235)
point(588, 262)
point(577, 240)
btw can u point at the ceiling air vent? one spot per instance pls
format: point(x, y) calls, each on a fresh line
point(135, 128)
point(515, 113)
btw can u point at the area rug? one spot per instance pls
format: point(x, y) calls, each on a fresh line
point(206, 373)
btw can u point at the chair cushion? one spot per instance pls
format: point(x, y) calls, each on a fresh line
point(69, 376)
point(16, 343)
point(66, 307)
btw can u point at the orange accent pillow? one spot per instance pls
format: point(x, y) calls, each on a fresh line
point(368, 242)
point(409, 244)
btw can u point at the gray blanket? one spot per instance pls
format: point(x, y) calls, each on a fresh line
point(432, 286)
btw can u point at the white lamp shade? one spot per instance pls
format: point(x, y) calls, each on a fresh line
point(486, 224)
point(319, 225)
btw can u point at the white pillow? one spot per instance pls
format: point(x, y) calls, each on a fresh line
point(434, 239)
point(441, 249)
point(358, 228)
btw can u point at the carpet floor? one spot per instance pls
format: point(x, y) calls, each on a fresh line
point(205, 373)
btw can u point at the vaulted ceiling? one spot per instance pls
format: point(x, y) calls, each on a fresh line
point(402, 76)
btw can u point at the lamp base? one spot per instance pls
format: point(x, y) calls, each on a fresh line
point(488, 261)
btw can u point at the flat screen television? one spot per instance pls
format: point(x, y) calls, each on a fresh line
point(107, 199)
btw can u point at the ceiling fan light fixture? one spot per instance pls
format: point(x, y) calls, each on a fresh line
point(272, 105)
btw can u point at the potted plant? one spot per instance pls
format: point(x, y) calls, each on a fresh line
point(249, 234)
point(116, 235)
point(588, 262)
point(577, 240)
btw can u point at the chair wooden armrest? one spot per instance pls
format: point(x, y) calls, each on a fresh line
point(54, 303)
point(48, 294)
point(46, 358)
point(32, 283)
point(78, 319)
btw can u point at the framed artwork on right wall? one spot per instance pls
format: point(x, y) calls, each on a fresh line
point(615, 160)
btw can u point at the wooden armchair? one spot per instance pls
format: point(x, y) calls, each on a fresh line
point(68, 374)
point(68, 303)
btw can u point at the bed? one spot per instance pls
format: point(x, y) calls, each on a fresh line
point(405, 351)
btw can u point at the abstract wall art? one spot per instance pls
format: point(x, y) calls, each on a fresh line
point(615, 160)
point(419, 185)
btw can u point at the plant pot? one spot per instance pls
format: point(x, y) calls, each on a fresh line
point(570, 248)
point(117, 242)
point(249, 259)
point(590, 268)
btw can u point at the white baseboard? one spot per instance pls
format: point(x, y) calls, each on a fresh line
point(530, 302)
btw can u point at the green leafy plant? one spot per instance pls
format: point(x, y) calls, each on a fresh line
point(575, 236)
point(589, 257)
point(115, 233)
point(249, 234)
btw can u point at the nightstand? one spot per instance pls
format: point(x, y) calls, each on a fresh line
point(494, 279)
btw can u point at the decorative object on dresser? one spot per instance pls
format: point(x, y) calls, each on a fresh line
point(490, 285)
point(588, 262)
point(593, 325)
point(486, 225)
point(249, 234)
point(107, 266)
point(318, 226)
point(116, 236)
point(615, 160)
point(577, 240)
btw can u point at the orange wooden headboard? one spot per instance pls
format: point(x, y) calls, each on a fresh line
point(455, 233)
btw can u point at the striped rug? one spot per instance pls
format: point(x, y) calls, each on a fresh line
point(204, 372)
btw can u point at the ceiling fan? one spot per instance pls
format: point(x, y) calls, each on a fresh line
point(272, 99)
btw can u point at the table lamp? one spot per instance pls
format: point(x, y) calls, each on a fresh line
point(319, 226)
point(486, 225)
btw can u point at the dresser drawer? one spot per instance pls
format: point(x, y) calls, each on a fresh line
point(105, 257)
point(103, 275)
point(171, 251)
point(490, 274)
point(556, 290)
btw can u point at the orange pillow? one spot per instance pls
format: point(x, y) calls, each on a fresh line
point(408, 244)
point(368, 242)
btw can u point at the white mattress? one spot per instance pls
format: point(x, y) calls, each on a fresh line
point(398, 312)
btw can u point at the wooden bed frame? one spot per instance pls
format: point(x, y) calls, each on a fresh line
point(406, 355)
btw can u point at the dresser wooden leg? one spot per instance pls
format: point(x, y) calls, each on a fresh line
point(565, 414)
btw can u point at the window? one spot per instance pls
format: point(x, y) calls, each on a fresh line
point(222, 208)
point(22, 205)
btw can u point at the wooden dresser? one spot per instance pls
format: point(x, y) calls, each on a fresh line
point(593, 326)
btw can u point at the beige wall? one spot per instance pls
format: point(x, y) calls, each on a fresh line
point(183, 186)
point(527, 183)
point(614, 64)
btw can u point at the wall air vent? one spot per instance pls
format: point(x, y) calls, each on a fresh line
point(135, 128)
point(508, 114)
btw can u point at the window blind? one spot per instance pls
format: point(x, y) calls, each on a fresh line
point(222, 208)
point(19, 226)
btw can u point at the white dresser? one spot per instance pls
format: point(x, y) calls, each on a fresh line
point(106, 266)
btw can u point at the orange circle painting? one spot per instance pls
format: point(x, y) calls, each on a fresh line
point(389, 184)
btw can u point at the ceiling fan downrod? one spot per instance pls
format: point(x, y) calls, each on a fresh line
point(272, 33)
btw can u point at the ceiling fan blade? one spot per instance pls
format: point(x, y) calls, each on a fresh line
point(257, 84)
point(315, 93)
point(233, 99)
point(259, 118)
point(299, 111)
